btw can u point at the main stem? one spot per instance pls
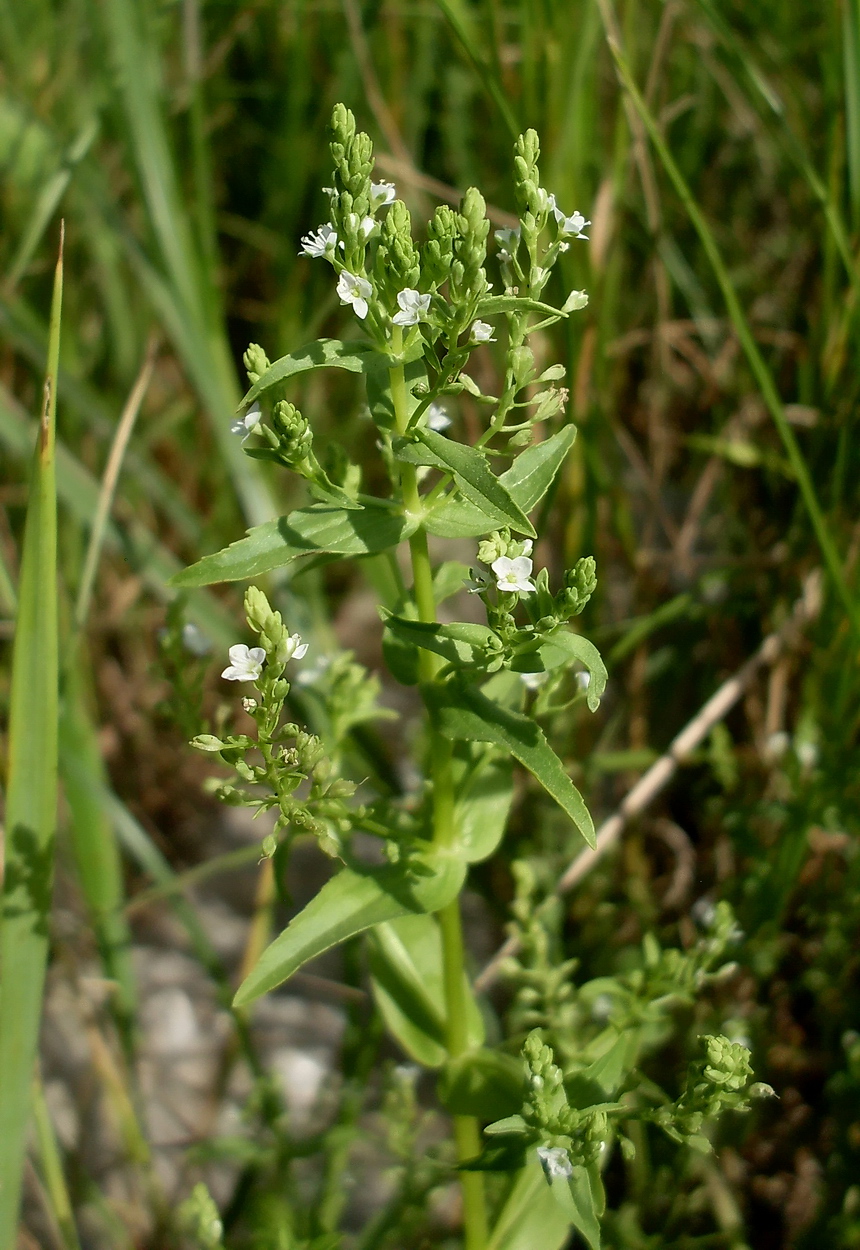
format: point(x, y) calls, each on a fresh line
point(467, 1135)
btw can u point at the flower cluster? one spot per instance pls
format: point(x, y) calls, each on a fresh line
point(282, 758)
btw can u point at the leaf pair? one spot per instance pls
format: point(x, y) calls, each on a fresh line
point(377, 527)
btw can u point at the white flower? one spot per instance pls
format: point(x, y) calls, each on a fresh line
point(508, 240)
point(533, 681)
point(382, 193)
point(513, 576)
point(247, 425)
point(356, 291)
point(573, 225)
point(583, 680)
point(413, 307)
point(194, 640)
point(555, 1162)
point(294, 648)
point(437, 418)
point(320, 242)
point(246, 664)
point(527, 547)
point(482, 332)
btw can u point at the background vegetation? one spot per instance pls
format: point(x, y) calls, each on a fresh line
point(184, 144)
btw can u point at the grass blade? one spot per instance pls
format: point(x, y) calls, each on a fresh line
point(94, 843)
point(52, 1169)
point(851, 53)
point(31, 808)
point(756, 361)
point(108, 488)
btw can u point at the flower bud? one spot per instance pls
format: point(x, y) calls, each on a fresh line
point(256, 362)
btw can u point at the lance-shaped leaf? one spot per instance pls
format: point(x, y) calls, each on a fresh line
point(31, 797)
point(562, 648)
point(351, 902)
point(471, 473)
point(308, 531)
point(460, 642)
point(526, 481)
point(495, 304)
point(463, 712)
point(408, 984)
point(531, 1217)
point(321, 354)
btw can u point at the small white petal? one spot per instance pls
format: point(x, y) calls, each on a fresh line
point(320, 242)
point(246, 663)
point(382, 193)
point(354, 290)
point(194, 640)
point(482, 332)
point(533, 681)
point(437, 418)
point(513, 576)
point(555, 1162)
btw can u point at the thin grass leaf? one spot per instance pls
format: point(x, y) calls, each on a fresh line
point(94, 843)
point(79, 492)
point(108, 488)
point(52, 1169)
point(851, 55)
point(31, 804)
point(47, 203)
point(756, 361)
point(462, 23)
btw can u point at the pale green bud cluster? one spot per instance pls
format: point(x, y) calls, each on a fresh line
point(199, 1219)
point(256, 362)
point(580, 583)
point(438, 252)
point(468, 278)
point(546, 1111)
point(352, 154)
point(397, 265)
point(293, 432)
point(500, 543)
point(716, 1082)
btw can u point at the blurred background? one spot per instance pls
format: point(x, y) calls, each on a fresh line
point(184, 143)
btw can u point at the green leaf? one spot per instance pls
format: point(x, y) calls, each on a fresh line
point(526, 481)
point(356, 899)
point(562, 648)
point(580, 1199)
point(484, 1083)
point(321, 354)
point(472, 474)
point(495, 304)
point(463, 712)
point(531, 1219)
point(308, 531)
point(408, 985)
point(460, 642)
point(93, 839)
point(482, 809)
point(31, 796)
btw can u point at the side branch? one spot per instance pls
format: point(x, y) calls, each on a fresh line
point(662, 770)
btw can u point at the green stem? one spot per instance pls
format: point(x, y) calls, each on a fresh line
point(467, 1134)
